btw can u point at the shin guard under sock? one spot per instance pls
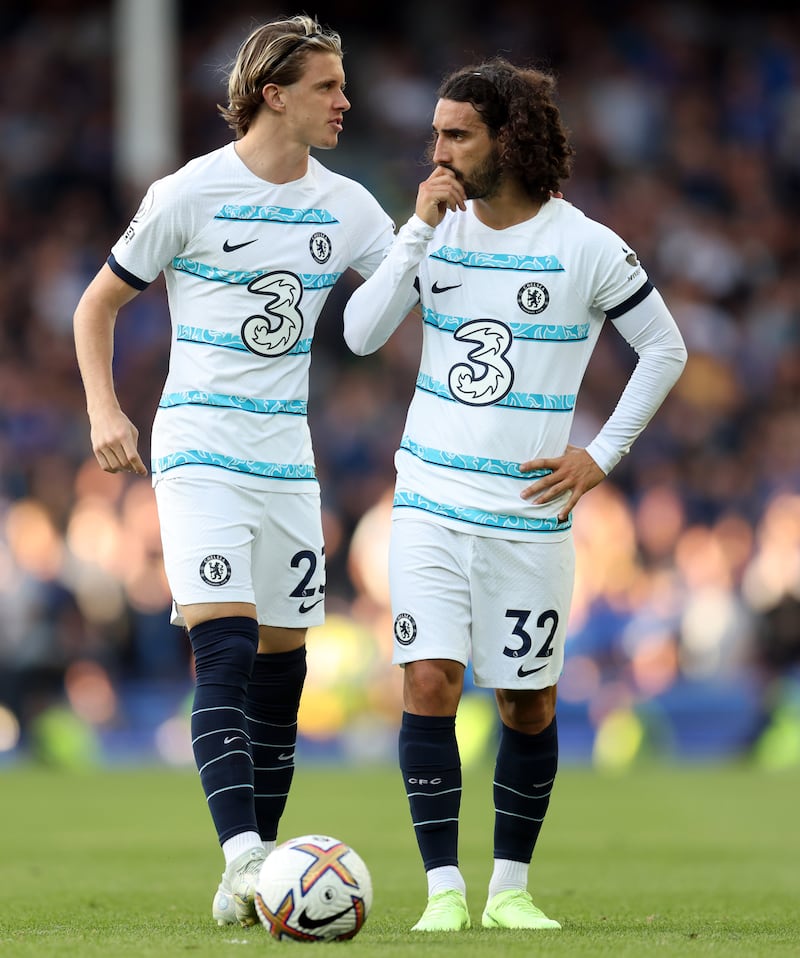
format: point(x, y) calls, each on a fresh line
point(224, 650)
point(273, 698)
point(431, 768)
point(524, 774)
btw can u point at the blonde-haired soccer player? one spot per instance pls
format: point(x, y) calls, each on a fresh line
point(251, 238)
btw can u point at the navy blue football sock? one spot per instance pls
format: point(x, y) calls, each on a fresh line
point(523, 779)
point(224, 650)
point(273, 698)
point(431, 768)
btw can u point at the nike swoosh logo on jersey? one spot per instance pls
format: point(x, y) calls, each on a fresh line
point(436, 288)
point(230, 738)
point(229, 248)
point(308, 608)
point(286, 756)
point(305, 922)
point(522, 673)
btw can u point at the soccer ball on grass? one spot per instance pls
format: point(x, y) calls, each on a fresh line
point(313, 888)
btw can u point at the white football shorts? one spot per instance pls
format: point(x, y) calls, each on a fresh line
point(228, 543)
point(502, 604)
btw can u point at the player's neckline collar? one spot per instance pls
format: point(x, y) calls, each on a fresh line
point(511, 226)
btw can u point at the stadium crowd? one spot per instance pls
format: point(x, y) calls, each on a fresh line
point(686, 122)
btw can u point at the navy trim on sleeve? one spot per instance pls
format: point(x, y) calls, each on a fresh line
point(125, 276)
point(642, 293)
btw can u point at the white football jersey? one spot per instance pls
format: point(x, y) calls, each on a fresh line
point(248, 266)
point(510, 319)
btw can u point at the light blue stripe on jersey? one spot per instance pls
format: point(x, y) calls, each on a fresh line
point(213, 337)
point(541, 402)
point(555, 334)
point(274, 214)
point(455, 460)
point(528, 264)
point(476, 517)
point(267, 470)
point(193, 397)
point(241, 277)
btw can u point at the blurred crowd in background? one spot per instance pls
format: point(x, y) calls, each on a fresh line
point(685, 634)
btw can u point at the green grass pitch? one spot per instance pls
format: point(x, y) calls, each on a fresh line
point(661, 860)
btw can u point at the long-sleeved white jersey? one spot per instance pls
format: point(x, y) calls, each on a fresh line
point(510, 319)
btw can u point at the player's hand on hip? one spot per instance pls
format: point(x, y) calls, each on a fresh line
point(575, 472)
point(441, 192)
point(114, 441)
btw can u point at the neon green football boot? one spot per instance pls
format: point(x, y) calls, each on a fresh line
point(446, 911)
point(515, 909)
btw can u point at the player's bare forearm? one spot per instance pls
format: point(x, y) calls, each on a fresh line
point(114, 437)
point(574, 472)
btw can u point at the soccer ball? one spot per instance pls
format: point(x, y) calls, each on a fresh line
point(313, 888)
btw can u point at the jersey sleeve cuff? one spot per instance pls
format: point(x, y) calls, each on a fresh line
point(604, 457)
point(125, 275)
point(418, 229)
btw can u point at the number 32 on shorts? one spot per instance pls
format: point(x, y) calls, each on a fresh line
point(546, 624)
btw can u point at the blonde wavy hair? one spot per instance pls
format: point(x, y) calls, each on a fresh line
point(275, 52)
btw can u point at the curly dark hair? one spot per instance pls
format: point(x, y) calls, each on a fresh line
point(517, 105)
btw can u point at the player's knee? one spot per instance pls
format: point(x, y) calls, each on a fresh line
point(529, 711)
point(224, 650)
point(433, 687)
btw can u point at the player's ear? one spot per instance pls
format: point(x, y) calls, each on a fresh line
point(273, 97)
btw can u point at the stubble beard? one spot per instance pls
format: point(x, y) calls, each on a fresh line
point(484, 181)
